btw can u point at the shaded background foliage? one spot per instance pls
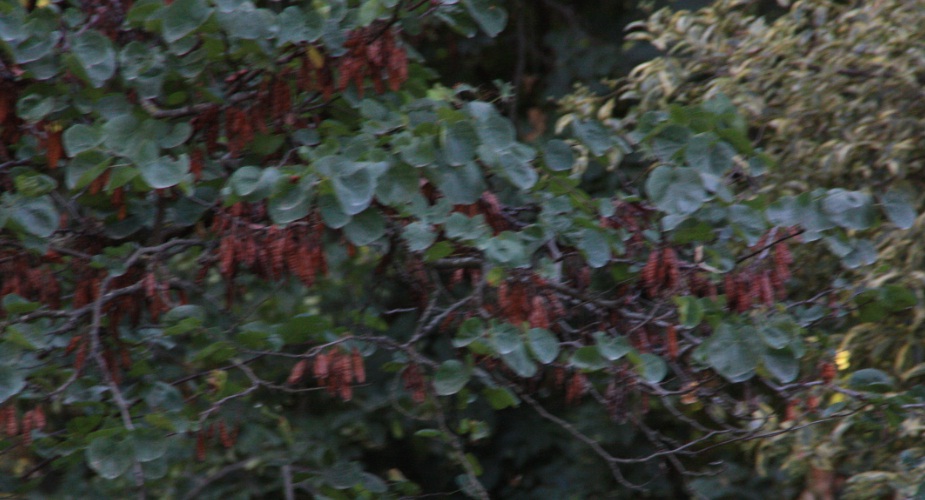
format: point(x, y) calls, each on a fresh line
point(332, 248)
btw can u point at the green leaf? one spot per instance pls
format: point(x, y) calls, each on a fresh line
point(12, 382)
point(165, 172)
point(297, 26)
point(419, 236)
point(148, 444)
point(343, 475)
point(36, 216)
point(354, 191)
point(500, 397)
point(676, 190)
point(79, 138)
point(181, 17)
point(651, 368)
point(775, 336)
point(520, 173)
point(419, 152)
point(488, 14)
point(871, 380)
point(505, 338)
point(110, 456)
point(496, 133)
point(669, 141)
point(518, 361)
point(245, 180)
point(690, 311)
point(612, 347)
point(459, 141)
point(451, 376)
point(543, 344)
point(731, 352)
point(781, 364)
point(96, 56)
point(707, 153)
point(291, 204)
point(14, 304)
point(461, 185)
point(593, 135)
point(595, 247)
point(899, 208)
point(506, 248)
point(469, 331)
point(588, 358)
point(849, 209)
point(365, 228)
point(558, 155)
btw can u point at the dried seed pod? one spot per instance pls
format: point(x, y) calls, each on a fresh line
point(539, 315)
point(200, 446)
point(414, 382)
point(27, 428)
point(297, 372)
point(792, 411)
point(577, 387)
point(650, 273)
point(321, 367)
point(81, 357)
point(827, 372)
point(38, 418)
point(225, 436)
point(812, 403)
point(671, 342)
point(12, 425)
point(672, 268)
point(359, 368)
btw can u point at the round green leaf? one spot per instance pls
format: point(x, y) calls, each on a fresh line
point(782, 364)
point(96, 56)
point(612, 347)
point(676, 190)
point(451, 376)
point(500, 397)
point(496, 133)
point(12, 381)
point(182, 17)
point(36, 216)
point(365, 228)
point(461, 185)
point(588, 358)
point(849, 209)
point(899, 208)
point(110, 456)
point(731, 353)
point(595, 247)
point(707, 153)
point(80, 137)
point(488, 14)
point(518, 361)
point(871, 380)
point(148, 444)
point(459, 141)
point(593, 135)
point(558, 155)
point(419, 236)
point(520, 173)
point(543, 344)
point(355, 191)
point(651, 368)
point(292, 204)
point(505, 339)
point(165, 172)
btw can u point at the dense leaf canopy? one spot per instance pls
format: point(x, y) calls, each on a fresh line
point(257, 249)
